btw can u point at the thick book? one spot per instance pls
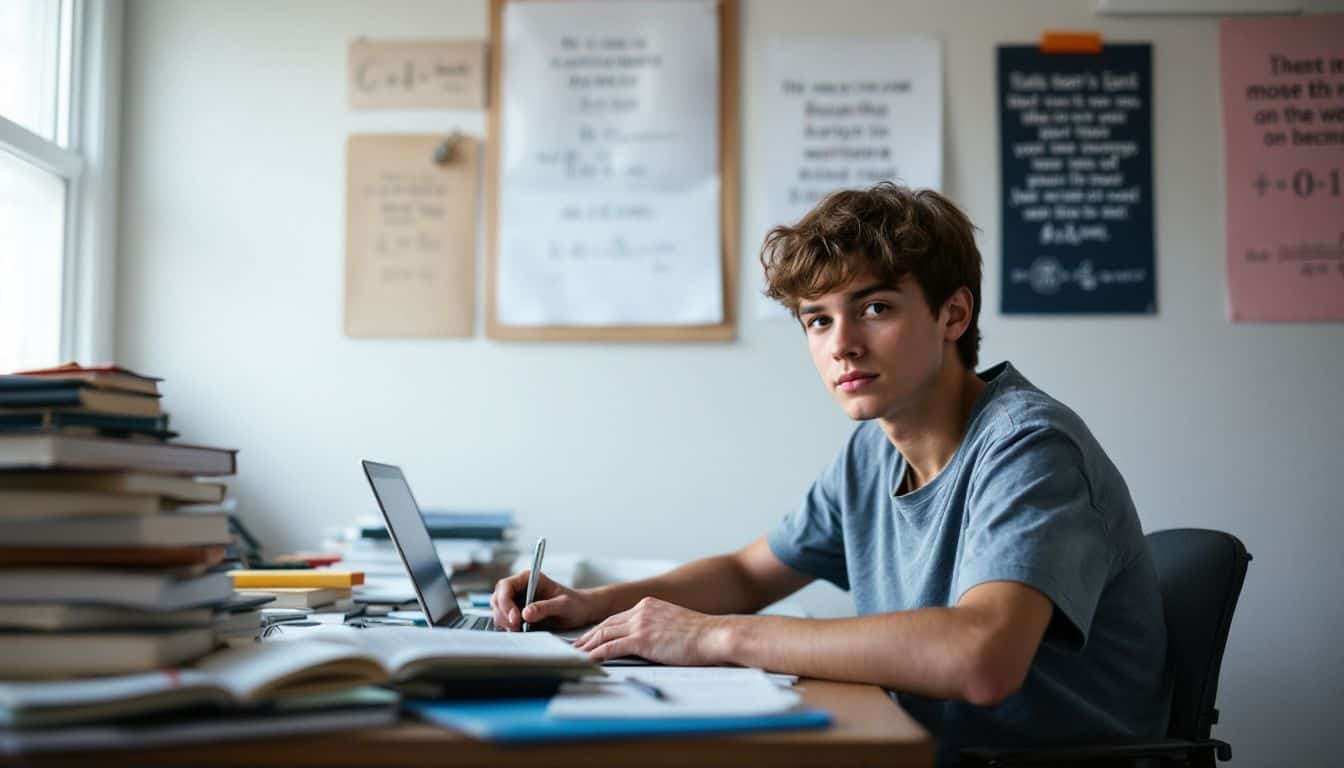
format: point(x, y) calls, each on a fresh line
point(29, 504)
point(524, 721)
point(295, 577)
point(166, 530)
point(76, 422)
point(143, 590)
point(28, 392)
point(478, 533)
point(171, 487)
point(364, 707)
point(58, 451)
point(104, 376)
point(484, 519)
point(59, 616)
point(328, 658)
point(299, 597)
point(200, 556)
point(28, 655)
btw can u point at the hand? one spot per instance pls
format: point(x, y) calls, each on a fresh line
point(662, 632)
point(559, 606)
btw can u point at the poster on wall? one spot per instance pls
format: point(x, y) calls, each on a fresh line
point(1283, 121)
point(410, 242)
point(609, 206)
point(846, 113)
point(1076, 153)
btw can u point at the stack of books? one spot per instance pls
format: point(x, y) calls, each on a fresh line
point(476, 548)
point(319, 679)
point(107, 539)
point(300, 588)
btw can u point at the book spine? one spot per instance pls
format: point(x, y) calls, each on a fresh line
point(290, 578)
point(440, 532)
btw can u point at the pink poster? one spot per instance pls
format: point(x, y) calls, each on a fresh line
point(1283, 117)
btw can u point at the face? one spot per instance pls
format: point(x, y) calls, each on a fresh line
point(877, 347)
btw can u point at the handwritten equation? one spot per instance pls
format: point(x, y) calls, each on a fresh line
point(609, 198)
point(414, 74)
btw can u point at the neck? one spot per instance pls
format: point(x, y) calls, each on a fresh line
point(928, 436)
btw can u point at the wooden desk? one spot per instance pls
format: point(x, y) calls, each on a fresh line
point(869, 730)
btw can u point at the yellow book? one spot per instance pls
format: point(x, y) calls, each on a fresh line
point(285, 577)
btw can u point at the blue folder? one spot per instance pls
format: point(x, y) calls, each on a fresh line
point(524, 721)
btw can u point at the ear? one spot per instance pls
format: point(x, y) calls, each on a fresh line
point(956, 314)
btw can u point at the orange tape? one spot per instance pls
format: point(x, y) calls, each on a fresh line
point(1070, 42)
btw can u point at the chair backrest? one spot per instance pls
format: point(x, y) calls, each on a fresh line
point(1200, 573)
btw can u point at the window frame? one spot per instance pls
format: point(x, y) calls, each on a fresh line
point(84, 155)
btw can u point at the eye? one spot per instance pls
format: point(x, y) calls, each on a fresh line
point(818, 321)
point(874, 308)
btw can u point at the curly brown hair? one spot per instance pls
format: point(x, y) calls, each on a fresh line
point(889, 230)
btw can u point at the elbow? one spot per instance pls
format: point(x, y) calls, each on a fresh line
point(990, 679)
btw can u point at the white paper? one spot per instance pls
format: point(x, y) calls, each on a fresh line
point(689, 692)
point(609, 200)
point(846, 113)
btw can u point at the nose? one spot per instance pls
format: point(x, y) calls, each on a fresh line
point(845, 341)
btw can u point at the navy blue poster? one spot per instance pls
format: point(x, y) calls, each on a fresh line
point(1076, 137)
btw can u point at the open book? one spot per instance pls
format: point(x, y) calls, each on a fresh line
point(336, 658)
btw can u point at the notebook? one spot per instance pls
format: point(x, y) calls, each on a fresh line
point(524, 721)
point(344, 711)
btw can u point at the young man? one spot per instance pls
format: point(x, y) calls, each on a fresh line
point(1005, 592)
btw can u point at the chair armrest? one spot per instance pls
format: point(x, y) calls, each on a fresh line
point(991, 758)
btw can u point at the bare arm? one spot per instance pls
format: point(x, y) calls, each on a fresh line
point(741, 582)
point(978, 651)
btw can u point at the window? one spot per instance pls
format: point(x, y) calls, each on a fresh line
point(55, 132)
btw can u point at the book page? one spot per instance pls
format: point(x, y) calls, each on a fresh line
point(310, 665)
point(397, 648)
point(402, 646)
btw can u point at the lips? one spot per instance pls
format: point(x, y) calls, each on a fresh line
point(854, 380)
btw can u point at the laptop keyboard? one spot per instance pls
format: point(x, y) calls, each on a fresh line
point(475, 622)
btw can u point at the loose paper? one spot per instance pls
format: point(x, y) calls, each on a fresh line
point(417, 74)
point(1283, 119)
point(1076, 153)
point(703, 692)
point(410, 237)
point(609, 201)
point(846, 113)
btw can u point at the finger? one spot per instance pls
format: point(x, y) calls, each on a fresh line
point(545, 609)
point(607, 632)
point(613, 619)
point(587, 637)
point(503, 593)
point(627, 645)
point(503, 598)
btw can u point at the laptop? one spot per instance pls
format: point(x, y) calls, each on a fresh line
point(433, 588)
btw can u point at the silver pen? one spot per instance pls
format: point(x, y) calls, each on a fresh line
point(534, 574)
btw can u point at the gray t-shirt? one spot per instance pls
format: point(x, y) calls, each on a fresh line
point(1028, 497)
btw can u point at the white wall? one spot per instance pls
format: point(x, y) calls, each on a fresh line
point(231, 287)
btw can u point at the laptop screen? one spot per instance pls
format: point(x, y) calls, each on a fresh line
point(411, 538)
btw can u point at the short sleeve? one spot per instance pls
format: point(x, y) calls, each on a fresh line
point(810, 539)
point(1031, 520)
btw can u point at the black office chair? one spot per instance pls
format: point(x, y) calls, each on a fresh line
point(1200, 573)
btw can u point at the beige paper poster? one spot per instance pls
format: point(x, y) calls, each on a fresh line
point(417, 74)
point(410, 237)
